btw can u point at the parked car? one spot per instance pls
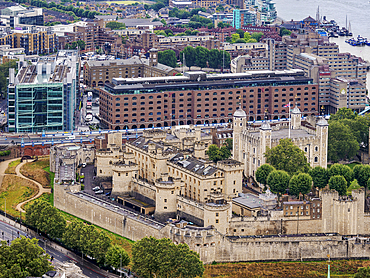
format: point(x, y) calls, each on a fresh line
point(83, 165)
point(96, 188)
point(107, 194)
point(99, 192)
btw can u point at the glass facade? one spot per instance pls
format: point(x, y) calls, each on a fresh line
point(39, 107)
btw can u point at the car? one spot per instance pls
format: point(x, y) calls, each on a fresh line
point(96, 188)
point(99, 192)
point(83, 165)
point(108, 193)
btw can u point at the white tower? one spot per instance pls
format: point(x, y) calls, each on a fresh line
point(239, 124)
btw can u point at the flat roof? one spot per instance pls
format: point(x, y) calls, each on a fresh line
point(248, 200)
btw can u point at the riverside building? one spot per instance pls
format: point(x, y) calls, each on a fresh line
point(200, 98)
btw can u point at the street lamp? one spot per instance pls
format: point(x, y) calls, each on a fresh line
point(5, 206)
point(120, 273)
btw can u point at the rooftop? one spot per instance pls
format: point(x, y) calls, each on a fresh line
point(195, 165)
point(248, 200)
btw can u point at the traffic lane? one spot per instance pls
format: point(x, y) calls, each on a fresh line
point(60, 256)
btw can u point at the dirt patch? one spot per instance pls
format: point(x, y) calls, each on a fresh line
point(11, 167)
point(15, 190)
point(284, 269)
point(35, 171)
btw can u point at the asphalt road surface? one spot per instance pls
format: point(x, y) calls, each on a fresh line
point(8, 232)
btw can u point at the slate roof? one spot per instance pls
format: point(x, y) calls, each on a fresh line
point(192, 164)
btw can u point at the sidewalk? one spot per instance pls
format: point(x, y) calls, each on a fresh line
point(57, 247)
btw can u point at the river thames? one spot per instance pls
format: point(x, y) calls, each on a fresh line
point(357, 13)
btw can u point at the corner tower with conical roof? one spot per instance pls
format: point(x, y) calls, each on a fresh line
point(239, 124)
point(296, 118)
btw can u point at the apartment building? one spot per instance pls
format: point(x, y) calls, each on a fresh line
point(42, 96)
point(200, 98)
point(98, 73)
point(247, 63)
point(34, 41)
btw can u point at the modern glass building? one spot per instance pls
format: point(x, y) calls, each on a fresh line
point(42, 97)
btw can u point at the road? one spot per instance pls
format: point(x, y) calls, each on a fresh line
point(9, 232)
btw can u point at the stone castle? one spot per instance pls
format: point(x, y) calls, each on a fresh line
point(164, 186)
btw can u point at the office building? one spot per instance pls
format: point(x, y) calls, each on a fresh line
point(243, 18)
point(42, 97)
point(98, 73)
point(18, 15)
point(200, 98)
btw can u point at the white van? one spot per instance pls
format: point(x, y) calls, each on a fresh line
point(71, 137)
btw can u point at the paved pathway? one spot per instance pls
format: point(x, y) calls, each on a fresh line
point(4, 165)
point(40, 187)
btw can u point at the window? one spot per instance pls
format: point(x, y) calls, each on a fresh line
point(165, 200)
point(165, 208)
point(216, 221)
point(216, 214)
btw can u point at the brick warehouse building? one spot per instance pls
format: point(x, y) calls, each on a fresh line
point(200, 98)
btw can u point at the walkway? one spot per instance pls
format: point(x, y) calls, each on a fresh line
point(41, 189)
point(3, 166)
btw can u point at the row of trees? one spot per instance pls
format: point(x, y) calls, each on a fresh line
point(79, 12)
point(183, 14)
point(115, 25)
point(244, 37)
point(202, 57)
point(288, 168)
point(348, 132)
point(76, 235)
point(4, 74)
point(23, 258)
point(161, 258)
point(151, 257)
point(74, 45)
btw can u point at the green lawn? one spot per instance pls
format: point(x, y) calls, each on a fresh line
point(52, 175)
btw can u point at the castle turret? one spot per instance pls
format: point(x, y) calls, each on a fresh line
point(322, 133)
point(199, 150)
point(296, 118)
point(239, 124)
point(165, 200)
point(265, 133)
point(123, 173)
point(153, 57)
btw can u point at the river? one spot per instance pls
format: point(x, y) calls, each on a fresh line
point(357, 13)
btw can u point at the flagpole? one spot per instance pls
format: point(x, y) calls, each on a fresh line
point(289, 121)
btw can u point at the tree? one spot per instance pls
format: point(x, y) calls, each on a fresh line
point(278, 181)
point(247, 36)
point(167, 57)
point(221, 25)
point(116, 257)
point(214, 58)
point(301, 183)
point(251, 41)
point(46, 218)
point(341, 170)
point(356, 171)
point(73, 234)
point(363, 272)
point(319, 176)
point(240, 41)
point(284, 32)
point(288, 157)
point(23, 258)
point(263, 172)
point(364, 175)
point(202, 54)
point(234, 37)
point(342, 144)
point(338, 183)
point(114, 25)
point(81, 44)
point(343, 113)
point(257, 36)
point(190, 56)
point(229, 144)
point(4, 74)
point(153, 257)
point(215, 153)
point(240, 32)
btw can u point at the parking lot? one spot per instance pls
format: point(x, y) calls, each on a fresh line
point(89, 178)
